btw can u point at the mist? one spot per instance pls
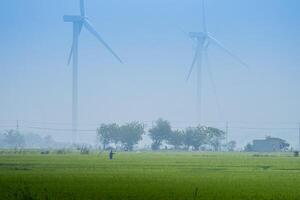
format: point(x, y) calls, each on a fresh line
point(254, 102)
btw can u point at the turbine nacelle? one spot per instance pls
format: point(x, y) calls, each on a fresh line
point(198, 35)
point(77, 18)
point(201, 38)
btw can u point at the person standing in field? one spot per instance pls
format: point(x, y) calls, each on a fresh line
point(111, 154)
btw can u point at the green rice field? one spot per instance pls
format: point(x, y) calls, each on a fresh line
point(155, 176)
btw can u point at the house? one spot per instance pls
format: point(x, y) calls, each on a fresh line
point(269, 144)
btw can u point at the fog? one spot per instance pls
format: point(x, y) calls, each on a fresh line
point(36, 82)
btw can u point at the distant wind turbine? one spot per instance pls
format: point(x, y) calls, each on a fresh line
point(203, 40)
point(80, 21)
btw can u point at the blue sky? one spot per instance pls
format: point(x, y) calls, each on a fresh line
point(35, 82)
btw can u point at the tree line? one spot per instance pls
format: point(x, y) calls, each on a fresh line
point(13, 139)
point(127, 136)
point(161, 133)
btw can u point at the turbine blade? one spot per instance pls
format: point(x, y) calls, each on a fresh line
point(70, 55)
point(211, 77)
point(80, 29)
point(219, 44)
point(193, 63)
point(204, 17)
point(82, 8)
point(72, 47)
point(91, 29)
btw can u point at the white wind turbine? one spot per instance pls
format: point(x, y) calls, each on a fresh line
point(80, 21)
point(203, 40)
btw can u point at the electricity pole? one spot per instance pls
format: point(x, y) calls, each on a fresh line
point(299, 138)
point(226, 137)
point(17, 127)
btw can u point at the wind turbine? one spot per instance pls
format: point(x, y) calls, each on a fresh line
point(80, 21)
point(203, 40)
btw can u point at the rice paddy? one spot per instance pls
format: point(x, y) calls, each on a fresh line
point(146, 175)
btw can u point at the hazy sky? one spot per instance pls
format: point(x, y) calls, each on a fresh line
point(35, 81)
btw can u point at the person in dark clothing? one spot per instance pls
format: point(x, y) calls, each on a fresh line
point(111, 154)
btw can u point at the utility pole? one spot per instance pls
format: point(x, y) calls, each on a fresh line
point(299, 138)
point(17, 127)
point(226, 137)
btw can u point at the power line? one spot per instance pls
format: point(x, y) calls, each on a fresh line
point(263, 128)
point(143, 121)
point(178, 127)
point(57, 129)
point(18, 126)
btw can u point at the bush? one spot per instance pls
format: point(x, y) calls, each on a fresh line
point(45, 152)
point(61, 151)
point(84, 150)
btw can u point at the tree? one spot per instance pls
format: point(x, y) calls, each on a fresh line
point(215, 137)
point(49, 141)
point(231, 145)
point(283, 145)
point(159, 132)
point(13, 139)
point(2, 138)
point(248, 147)
point(194, 137)
point(176, 138)
point(130, 134)
point(34, 141)
point(108, 133)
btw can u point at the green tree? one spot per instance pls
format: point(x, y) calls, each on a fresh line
point(130, 134)
point(214, 137)
point(283, 145)
point(231, 145)
point(176, 138)
point(248, 147)
point(108, 133)
point(159, 133)
point(13, 139)
point(194, 137)
point(2, 140)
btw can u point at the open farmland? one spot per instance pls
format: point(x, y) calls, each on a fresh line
point(150, 176)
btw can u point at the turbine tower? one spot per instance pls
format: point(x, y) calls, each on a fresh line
point(80, 21)
point(202, 41)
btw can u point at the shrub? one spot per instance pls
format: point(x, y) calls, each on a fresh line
point(45, 152)
point(84, 150)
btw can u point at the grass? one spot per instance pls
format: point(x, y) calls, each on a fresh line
point(150, 176)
